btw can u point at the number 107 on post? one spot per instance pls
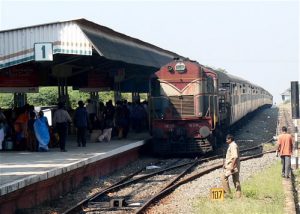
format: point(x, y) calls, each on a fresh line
point(217, 194)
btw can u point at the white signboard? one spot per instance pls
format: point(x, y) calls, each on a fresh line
point(43, 52)
point(93, 89)
point(19, 89)
point(48, 114)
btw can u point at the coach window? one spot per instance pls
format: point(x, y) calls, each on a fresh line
point(222, 106)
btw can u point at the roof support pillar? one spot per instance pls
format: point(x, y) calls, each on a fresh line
point(135, 96)
point(117, 91)
point(94, 96)
point(20, 99)
point(63, 95)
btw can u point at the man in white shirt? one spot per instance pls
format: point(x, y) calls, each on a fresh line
point(91, 109)
point(60, 121)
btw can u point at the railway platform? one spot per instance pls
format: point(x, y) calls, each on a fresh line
point(30, 178)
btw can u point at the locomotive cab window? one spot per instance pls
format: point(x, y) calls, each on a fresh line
point(210, 85)
point(158, 103)
point(154, 87)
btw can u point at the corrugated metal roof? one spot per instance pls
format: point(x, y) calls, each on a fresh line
point(78, 37)
point(117, 46)
point(17, 46)
point(286, 93)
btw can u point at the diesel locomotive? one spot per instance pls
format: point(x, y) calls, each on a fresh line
point(191, 106)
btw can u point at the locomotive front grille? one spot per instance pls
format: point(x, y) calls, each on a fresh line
point(182, 106)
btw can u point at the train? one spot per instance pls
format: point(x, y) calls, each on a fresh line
point(191, 106)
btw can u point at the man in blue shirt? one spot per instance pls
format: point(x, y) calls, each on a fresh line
point(81, 123)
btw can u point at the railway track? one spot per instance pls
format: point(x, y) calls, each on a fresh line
point(189, 178)
point(163, 181)
point(133, 178)
point(285, 120)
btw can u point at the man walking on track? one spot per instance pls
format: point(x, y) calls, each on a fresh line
point(232, 166)
point(285, 149)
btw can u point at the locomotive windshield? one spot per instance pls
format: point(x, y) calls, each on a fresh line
point(169, 107)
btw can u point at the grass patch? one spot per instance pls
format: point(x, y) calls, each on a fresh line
point(269, 146)
point(297, 177)
point(297, 172)
point(261, 194)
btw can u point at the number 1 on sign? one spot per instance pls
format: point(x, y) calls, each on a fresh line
point(217, 194)
point(44, 51)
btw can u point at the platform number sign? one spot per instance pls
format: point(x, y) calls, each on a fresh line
point(43, 51)
point(217, 194)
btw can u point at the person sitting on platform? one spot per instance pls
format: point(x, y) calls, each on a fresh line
point(106, 134)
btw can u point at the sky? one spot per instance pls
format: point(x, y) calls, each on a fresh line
point(256, 40)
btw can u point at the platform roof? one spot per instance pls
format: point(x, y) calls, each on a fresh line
point(80, 46)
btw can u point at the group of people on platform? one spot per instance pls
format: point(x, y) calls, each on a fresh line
point(26, 129)
point(29, 130)
point(120, 118)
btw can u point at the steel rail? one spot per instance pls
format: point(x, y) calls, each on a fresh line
point(124, 182)
point(171, 188)
point(79, 205)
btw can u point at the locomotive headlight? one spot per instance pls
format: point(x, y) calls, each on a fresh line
point(180, 67)
point(204, 131)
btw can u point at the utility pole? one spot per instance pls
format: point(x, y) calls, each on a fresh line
point(295, 114)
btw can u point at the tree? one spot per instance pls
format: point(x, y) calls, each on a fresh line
point(6, 100)
point(48, 96)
